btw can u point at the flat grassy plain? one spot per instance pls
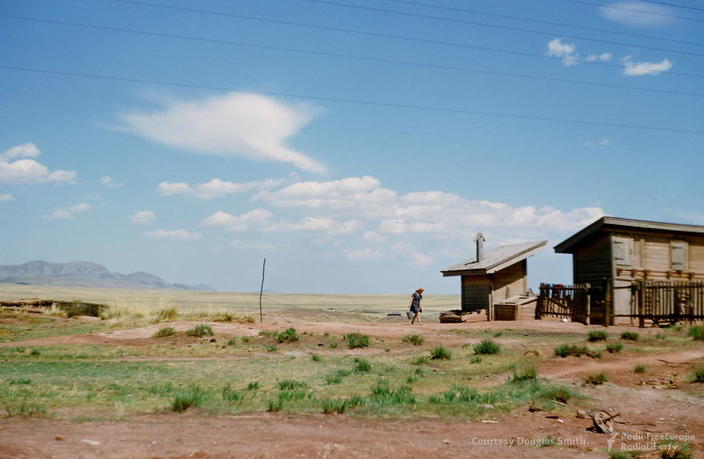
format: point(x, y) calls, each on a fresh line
point(158, 353)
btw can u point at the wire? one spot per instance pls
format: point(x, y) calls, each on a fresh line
point(354, 101)
point(495, 26)
point(373, 34)
point(674, 5)
point(540, 21)
point(635, 10)
point(348, 56)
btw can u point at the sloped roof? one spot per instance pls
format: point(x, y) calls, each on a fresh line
point(496, 260)
point(568, 244)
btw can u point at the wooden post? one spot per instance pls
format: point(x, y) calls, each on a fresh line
point(588, 299)
point(608, 300)
point(641, 304)
point(261, 292)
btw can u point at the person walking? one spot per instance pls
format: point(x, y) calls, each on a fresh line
point(415, 306)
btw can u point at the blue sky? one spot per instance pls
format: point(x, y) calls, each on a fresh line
point(346, 188)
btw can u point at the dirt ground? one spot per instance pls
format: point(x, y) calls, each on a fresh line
point(658, 405)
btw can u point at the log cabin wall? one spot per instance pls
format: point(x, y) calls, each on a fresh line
point(591, 262)
point(476, 293)
point(510, 282)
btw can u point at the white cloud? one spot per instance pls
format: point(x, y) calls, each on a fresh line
point(25, 150)
point(69, 212)
point(631, 68)
point(372, 236)
point(363, 254)
point(214, 188)
point(6, 198)
point(108, 182)
point(636, 13)
point(603, 57)
point(235, 124)
point(411, 255)
point(603, 142)
point(252, 245)
point(143, 217)
point(25, 171)
point(255, 218)
point(177, 235)
point(565, 51)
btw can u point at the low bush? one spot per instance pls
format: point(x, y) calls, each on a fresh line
point(639, 369)
point(675, 449)
point(253, 385)
point(200, 331)
point(357, 340)
point(557, 393)
point(527, 374)
point(288, 336)
point(271, 348)
point(232, 341)
point(597, 335)
point(697, 332)
point(164, 332)
point(315, 358)
point(699, 375)
point(565, 350)
point(487, 347)
point(186, 399)
point(614, 347)
point(440, 353)
point(630, 336)
point(596, 379)
point(416, 340)
point(362, 366)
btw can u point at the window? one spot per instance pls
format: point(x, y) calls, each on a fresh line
point(622, 251)
point(678, 255)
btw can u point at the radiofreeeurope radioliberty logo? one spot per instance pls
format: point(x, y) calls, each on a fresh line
point(643, 442)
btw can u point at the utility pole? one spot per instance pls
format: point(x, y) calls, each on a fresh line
point(261, 292)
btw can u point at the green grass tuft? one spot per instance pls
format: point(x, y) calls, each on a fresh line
point(362, 366)
point(487, 347)
point(291, 384)
point(315, 358)
point(597, 335)
point(527, 374)
point(596, 379)
point(164, 332)
point(416, 340)
point(440, 353)
point(288, 336)
point(699, 375)
point(200, 331)
point(271, 348)
point(697, 332)
point(253, 385)
point(357, 340)
point(230, 395)
point(639, 369)
point(630, 336)
point(565, 350)
point(614, 347)
point(184, 400)
point(232, 341)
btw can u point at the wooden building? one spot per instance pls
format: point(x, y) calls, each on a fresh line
point(615, 252)
point(495, 277)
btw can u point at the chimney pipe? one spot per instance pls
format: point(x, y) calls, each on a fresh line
point(479, 239)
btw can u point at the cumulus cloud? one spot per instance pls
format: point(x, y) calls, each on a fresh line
point(328, 226)
point(235, 124)
point(143, 217)
point(603, 57)
point(214, 188)
point(255, 218)
point(25, 171)
point(567, 52)
point(108, 182)
point(363, 254)
point(176, 235)
point(6, 198)
point(69, 212)
point(265, 246)
point(636, 13)
point(631, 68)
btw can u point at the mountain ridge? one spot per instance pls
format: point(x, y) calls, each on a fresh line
point(85, 274)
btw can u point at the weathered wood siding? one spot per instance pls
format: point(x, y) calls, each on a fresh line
point(591, 263)
point(510, 282)
point(475, 293)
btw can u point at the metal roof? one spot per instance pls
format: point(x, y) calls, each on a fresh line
point(623, 223)
point(496, 260)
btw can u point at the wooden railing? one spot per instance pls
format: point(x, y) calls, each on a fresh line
point(665, 302)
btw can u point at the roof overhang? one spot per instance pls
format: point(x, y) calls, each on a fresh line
point(499, 265)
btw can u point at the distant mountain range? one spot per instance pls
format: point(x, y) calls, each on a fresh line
point(84, 274)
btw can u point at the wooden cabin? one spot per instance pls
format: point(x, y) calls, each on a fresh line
point(617, 251)
point(495, 277)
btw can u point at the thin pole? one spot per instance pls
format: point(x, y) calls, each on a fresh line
point(261, 292)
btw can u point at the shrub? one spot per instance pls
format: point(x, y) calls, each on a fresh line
point(200, 331)
point(487, 347)
point(362, 366)
point(416, 340)
point(274, 405)
point(291, 384)
point(357, 340)
point(34, 352)
point(271, 348)
point(557, 393)
point(674, 449)
point(333, 406)
point(614, 347)
point(230, 395)
point(288, 336)
point(384, 394)
point(697, 332)
point(699, 375)
point(596, 379)
point(440, 353)
point(565, 350)
point(421, 360)
point(184, 400)
point(232, 341)
point(315, 358)
point(630, 336)
point(245, 339)
point(333, 345)
point(639, 369)
point(527, 374)
point(597, 335)
point(475, 359)
point(166, 314)
point(253, 385)
point(164, 332)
